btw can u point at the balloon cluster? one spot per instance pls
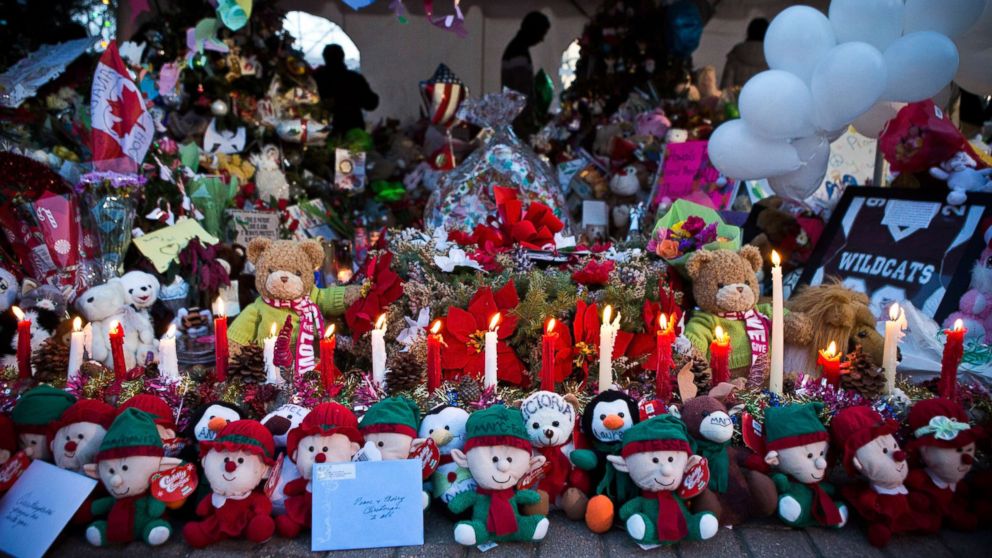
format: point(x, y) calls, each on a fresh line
point(858, 65)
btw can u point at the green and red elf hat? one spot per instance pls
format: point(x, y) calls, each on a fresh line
point(132, 433)
point(496, 426)
point(855, 427)
point(153, 405)
point(658, 433)
point(789, 426)
point(941, 423)
point(86, 410)
point(243, 435)
point(38, 408)
point(325, 419)
point(392, 414)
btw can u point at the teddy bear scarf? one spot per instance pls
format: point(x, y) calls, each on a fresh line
point(311, 321)
point(756, 325)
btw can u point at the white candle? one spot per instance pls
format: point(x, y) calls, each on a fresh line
point(76, 348)
point(777, 347)
point(168, 361)
point(607, 338)
point(890, 353)
point(492, 344)
point(272, 375)
point(379, 351)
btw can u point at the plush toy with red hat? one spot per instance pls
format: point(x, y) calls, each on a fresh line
point(77, 435)
point(944, 444)
point(131, 452)
point(157, 408)
point(869, 450)
point(8, 439)
point(796, 444)
point(656, 454)
point(328, 434)
point(33, 415)
point(498, 454)
point(234, 462)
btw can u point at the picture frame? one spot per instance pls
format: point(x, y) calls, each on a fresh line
point(899, 245)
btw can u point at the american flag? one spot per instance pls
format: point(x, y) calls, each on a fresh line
point(442, 94)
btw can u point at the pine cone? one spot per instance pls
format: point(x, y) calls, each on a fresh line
point(863, 375)
point(200, 373)
point(151, 370)
point(403, 373)
point(50, 361)
point(93, 369)
point(248, 366)
point(469, 389)
point(701, 374)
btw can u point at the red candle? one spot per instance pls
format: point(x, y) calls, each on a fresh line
point(23, 344)
point(663, 358)
point(328, 372)
point(434, 341)
point(953, 351)
point(829, 362)
point(221, 351)
point(548, 343)
point(720, 357)
point(117, 351)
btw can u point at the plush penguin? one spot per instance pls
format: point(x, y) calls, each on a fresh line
point(446, 425)
point(280, 422)
point(605, 419)
point(204, 426)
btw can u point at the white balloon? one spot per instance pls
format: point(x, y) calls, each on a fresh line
point(975, 72)
point(876, 22)
point(947, 17)
point(814, 152)
point(918, 66)
point(797, 39)
point(739, 153)
point(846, 83)
point(871, 123)
point(777, 104)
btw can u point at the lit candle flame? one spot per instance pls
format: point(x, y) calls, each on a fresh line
point(894, 311)
point(662, 322)
point(272, 330)
point(329, 332)
point(720, 335)
point(494, 321)
point(958, 324)
point(436, 327)
point(170, 333)
point(776, 260)
point(219, 307)
point(17, 312)
point(831, 349)
point(77, 324)
point(607, 312)
point(551, 325)
point(115, 328)
point(381, 322)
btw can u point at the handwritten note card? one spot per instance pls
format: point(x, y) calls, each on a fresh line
point(37, 508)
point(368, 504)
point(254, 224)
point(162, 247)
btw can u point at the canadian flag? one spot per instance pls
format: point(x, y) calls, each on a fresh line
point(122, 128)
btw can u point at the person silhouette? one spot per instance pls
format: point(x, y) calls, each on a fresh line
point(517, 69)
point(345, 93)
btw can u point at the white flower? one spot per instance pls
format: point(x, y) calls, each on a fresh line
point(562, 241)
point(440, 238)
point(415, 329)
point(622, 256)
point(456, 258)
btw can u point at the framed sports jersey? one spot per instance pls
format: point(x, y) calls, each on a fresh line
point(902, 245)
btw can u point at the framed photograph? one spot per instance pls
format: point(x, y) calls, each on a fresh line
point(902, 245)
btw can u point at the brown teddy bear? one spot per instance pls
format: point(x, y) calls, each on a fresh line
point(725, 286)
point(838, 314)
point(284, 278)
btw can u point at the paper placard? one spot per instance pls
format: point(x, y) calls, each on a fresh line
point(38, 507)
point(367, 504)
point(254, 224)
point(162, 247)
point(688, 174)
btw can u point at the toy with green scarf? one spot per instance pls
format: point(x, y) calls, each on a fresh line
point(657, 454)
point(796, 444)
point(498, 454)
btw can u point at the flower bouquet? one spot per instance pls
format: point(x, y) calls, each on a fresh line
point(111, 202)
point(688, 227)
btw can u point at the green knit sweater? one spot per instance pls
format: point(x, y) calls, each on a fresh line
point(700, 328)
point(254, 323)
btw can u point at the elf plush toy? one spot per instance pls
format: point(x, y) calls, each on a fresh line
point(328, 434)
point(391, 424)
point(78, 433)
point(796, 444)
point(871, 451)
point(130, 454)
point(656, 453)
point(235, 462)
point(162, 415)
point(497, 452)
point(944, 444)
point(34, 414)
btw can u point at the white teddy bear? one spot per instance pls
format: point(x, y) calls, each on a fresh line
point(962, 176)
point(102, 306)
point(269, 178)
point(140, 293)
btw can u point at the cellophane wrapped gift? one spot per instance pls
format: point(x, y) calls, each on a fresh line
point(464, 197)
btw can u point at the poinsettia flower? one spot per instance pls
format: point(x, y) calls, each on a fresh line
point(534, 229)
point(563, 353)
point(585, 349)
point(594, 273)
point(644, 344)
point(456, 258)
point(382, 287)
point(465, 330)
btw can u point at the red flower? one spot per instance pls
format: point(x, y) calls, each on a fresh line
point(487, 260)
point(465, 332)
point(594, 273)
point(248, 189)
point(644, 344)
point(282, 204)
point(382, 287)
point(563, 353)
point(534, 229)
point(586, 329)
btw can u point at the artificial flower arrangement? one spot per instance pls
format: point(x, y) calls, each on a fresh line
point(688, 227)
